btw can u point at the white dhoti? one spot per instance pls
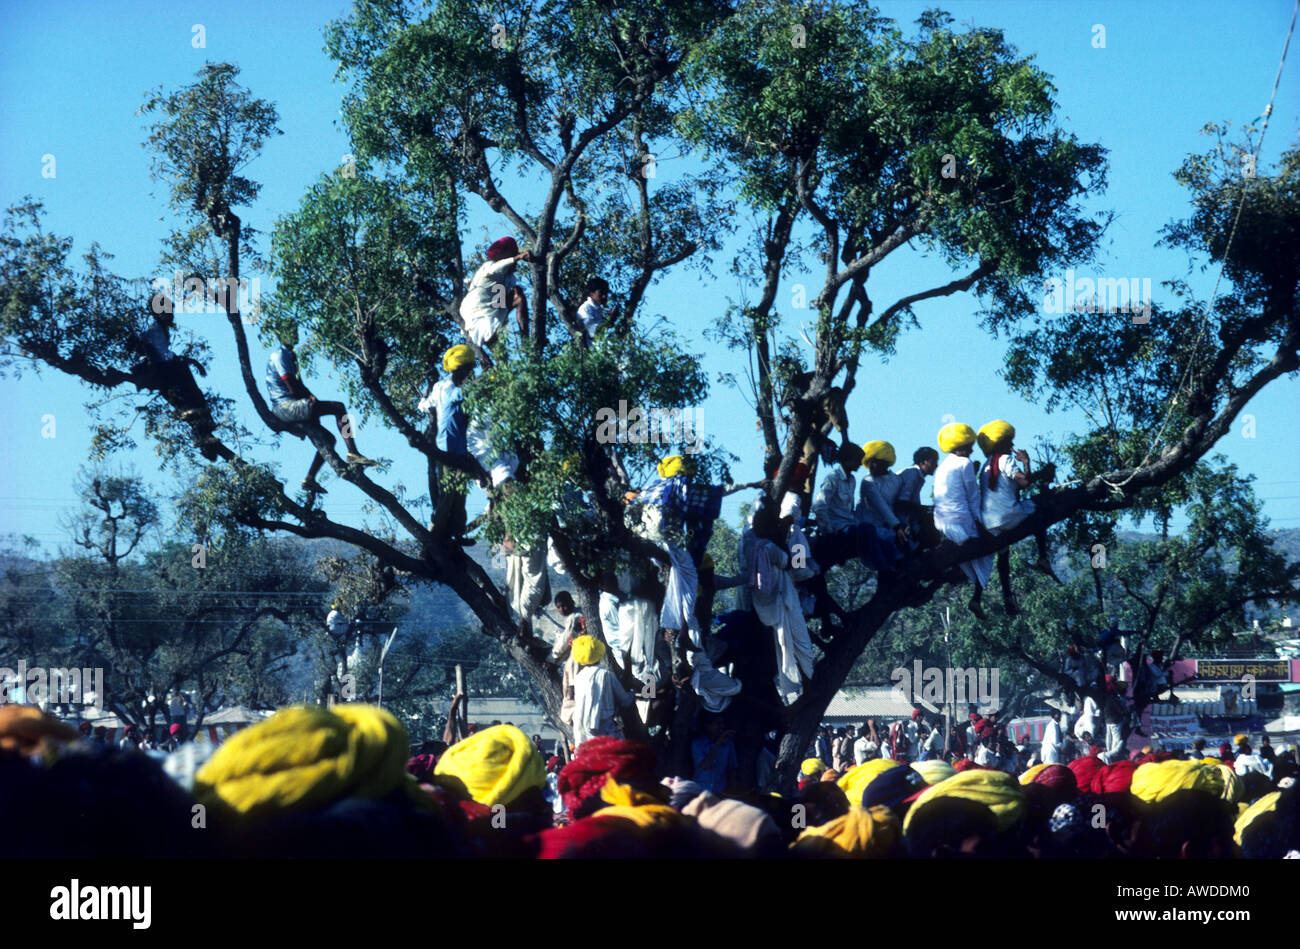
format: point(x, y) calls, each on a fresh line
point(714, 688)
point(1114, 744)
point(678, 611)
point(776, 603)
point(978, 570)
point(528, 581)
point(618, 640)
point(636, 622)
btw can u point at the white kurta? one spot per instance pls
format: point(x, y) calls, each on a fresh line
point(636, 624)
point(1000, 508)
point(833, 504)
point(500, 465)
point(596, 697)
point(1052, 738)
point(490, 285)
point(956, 510)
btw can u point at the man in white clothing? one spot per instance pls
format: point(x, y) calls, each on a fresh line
point(1053, 739)
point(864, 749)
point(880, 489)
point(1001, 506)
point(597, 695)
point(957, 504)
point(491, 292)
point(591, 314)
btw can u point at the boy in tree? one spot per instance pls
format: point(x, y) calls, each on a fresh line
point(592, 312)
point(291, 401)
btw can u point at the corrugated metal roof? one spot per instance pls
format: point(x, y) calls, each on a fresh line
point(880, 702)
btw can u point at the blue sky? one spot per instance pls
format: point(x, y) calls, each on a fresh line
point(72, 76)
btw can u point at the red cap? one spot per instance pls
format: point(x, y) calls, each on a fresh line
point(502, 248)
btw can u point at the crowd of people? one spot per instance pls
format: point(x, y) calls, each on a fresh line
point(345, 782)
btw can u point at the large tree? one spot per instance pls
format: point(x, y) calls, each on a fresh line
point(847, 137)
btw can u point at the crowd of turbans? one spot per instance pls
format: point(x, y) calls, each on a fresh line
point(317, 782)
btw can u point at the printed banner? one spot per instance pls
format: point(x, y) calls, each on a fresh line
point(1234, 670)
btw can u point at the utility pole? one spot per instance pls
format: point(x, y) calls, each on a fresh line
point(382, 654)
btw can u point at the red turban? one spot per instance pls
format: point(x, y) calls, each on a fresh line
point(916, 713)
point(1057, 777)
point(964, 764)
point(502, 248)
point(628, 762)
point(422, 766)
point(1085, 769)
point(1114, 777)
point(1095, 749)
point(572, 841)
point(174, 729)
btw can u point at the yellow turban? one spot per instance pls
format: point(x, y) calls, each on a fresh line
point(856, 779)
point(458, 357)
point(496, 765)
point(934, 770)
point(588, 650)
point(1263, 806)
point(812, 766)
point(995, 437)
point(1156, 780)
point(672, 466)
point(305, 757)
point(1028, 776)
point(1239, 739)
point(862, 832)
point(879, 451)
point(996, 790)
point(955, 435)
point(640, 808)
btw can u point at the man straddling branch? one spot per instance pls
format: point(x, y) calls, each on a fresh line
point(291, 401)
point(1001, 508)
point(957, 503)
point(170, 374)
